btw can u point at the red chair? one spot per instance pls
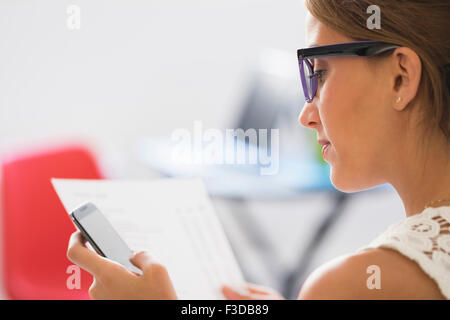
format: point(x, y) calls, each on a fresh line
point(36, 227)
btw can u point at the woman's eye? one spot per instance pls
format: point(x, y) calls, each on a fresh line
point(318, 74)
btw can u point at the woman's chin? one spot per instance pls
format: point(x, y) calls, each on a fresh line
point(349, 182)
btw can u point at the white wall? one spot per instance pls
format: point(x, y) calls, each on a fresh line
point(134, 68)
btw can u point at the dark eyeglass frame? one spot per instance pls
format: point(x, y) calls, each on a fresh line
point(348, 49)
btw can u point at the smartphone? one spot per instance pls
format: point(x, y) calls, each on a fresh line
point(99, 232)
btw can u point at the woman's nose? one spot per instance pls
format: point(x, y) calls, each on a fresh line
point(309, 116)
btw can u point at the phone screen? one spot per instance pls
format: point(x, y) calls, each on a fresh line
point(102, 236)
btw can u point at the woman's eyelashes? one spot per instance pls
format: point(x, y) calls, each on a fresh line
point(319, 74)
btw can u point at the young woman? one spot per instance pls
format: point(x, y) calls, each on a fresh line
point(379, 100)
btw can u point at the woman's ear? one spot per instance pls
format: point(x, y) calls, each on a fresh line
point(407, 70)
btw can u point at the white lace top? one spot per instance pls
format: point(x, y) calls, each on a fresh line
point(424, 238)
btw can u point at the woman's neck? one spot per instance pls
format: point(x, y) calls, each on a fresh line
point(423, 177)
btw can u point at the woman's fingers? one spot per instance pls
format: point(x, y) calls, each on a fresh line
point(142, 260)
point(150, 267)
point(85, 258)
point(261, 291)
point(75, 238)
point(96, 290)
point(258, 289)
point(254, 292)
point(235, 294)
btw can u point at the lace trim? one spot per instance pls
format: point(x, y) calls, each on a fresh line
point(424, 238)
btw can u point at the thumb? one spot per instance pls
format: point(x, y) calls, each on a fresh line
point(141, 260)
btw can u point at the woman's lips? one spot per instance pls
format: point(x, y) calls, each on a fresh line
point(325, 144)
point(324, 149)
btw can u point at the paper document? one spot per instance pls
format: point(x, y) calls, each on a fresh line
point(172, 219)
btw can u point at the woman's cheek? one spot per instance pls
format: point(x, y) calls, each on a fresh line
point(336, 117)
point(329, 108)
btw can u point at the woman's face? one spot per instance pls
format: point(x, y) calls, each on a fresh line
point(352, 110)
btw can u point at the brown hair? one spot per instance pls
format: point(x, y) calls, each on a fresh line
point(423, 26)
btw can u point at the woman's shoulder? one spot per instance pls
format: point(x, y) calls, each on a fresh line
point(373, 273)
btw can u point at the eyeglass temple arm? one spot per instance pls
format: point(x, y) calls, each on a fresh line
point(347, 49)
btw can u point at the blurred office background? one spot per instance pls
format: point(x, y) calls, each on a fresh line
point(140, 69)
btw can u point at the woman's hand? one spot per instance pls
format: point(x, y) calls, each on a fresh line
point(114, 281)
point(255, 292)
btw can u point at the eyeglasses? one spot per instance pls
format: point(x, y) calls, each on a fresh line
point(348, 49)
